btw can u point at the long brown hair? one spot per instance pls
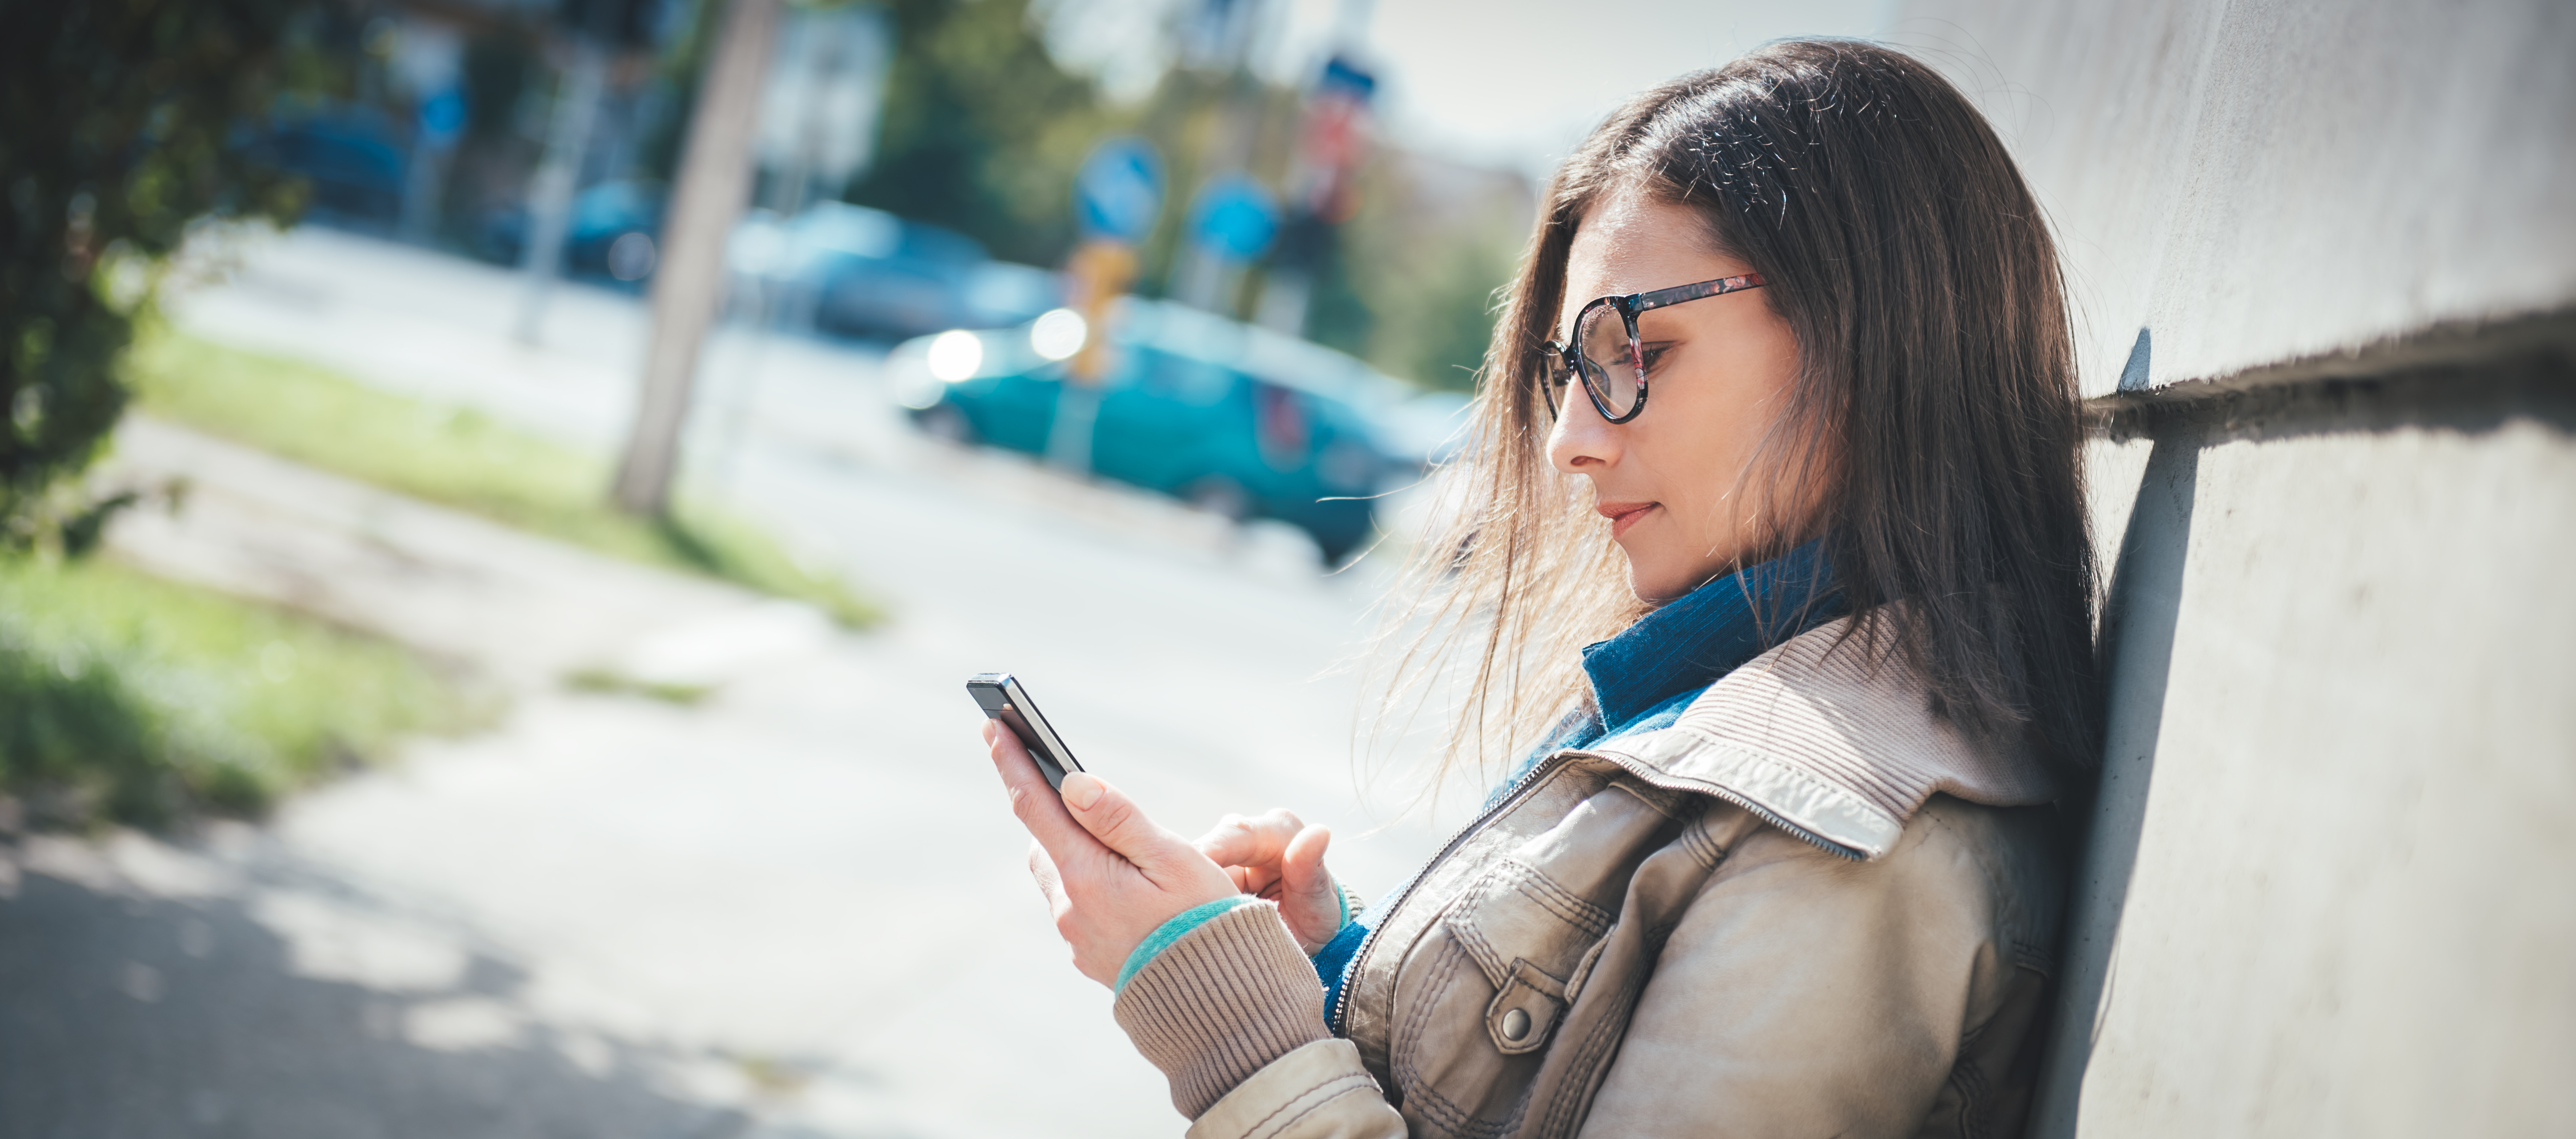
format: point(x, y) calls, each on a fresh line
point(1934, 416)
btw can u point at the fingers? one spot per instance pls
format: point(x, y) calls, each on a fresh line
point(1255, 841)
point(1309, 901)
point(1050, 880)
point(1110, 816)
point(1036, 804)
point(1302, 869)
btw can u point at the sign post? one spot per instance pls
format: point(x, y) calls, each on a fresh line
point(1232, 222)
point(441, 119)
point(1330, 150)
point(1116, 198)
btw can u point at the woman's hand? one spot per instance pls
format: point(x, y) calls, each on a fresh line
point(1111, 876)
point(1277, 857)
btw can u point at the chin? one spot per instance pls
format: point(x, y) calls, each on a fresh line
point(1656, 585)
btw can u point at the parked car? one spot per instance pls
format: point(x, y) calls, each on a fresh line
point(835, 268)
point(352, 158)
point(1236, 419)
point(853, 271)
point(610, 233)
point(1001, 293)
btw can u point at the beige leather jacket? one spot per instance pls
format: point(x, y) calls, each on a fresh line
point(1807, 908)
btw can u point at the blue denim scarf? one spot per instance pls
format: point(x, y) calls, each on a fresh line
point(1645, 676)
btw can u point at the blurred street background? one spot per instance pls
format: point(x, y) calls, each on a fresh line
point(505, 495)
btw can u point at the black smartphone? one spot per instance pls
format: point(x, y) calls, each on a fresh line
point(1002, 698)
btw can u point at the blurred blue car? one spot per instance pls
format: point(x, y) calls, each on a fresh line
point(853, 271)
point(611, 232)
point(835, 268)
point(1236, 419)
point(352, 160)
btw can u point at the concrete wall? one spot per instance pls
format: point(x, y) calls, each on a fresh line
point(2326, 261)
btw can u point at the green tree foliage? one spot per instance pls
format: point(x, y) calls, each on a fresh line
point(982, 132)
point(1414, 281)
point(982, 129)
point(117, 119)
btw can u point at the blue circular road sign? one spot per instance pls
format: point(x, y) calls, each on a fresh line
point(1119, 190)
point(1234, 218)
point(442, 116)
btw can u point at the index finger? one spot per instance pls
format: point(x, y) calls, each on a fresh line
point(1256, 841)
point(1036, 804)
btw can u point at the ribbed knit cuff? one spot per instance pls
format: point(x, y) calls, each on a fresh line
point(1222, 1003)
point(1174, 930)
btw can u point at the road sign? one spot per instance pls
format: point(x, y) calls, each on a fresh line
point(1119, 190)
point(442, 116)
point(818, 115)
point(1233, 218)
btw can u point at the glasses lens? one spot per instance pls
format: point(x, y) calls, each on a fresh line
point(1553, 379)
point(1609, 359)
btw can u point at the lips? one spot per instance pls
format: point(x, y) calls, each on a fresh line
point(1623, 515)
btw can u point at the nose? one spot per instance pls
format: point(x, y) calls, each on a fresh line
point(1583, 443)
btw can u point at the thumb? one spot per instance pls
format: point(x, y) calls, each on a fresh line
point(1114, 819)
point(1308, 898)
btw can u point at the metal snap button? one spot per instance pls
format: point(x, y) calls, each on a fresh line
point(1516, 1024)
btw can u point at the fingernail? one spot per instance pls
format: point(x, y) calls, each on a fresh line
point(1081, 790)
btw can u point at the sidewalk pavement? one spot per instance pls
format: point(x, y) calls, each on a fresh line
point(796, 909)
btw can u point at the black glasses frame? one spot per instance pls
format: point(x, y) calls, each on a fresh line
point(1569, 361)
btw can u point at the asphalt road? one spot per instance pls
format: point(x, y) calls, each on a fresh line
point(796, 909)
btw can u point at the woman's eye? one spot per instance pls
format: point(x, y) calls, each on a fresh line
point(1650, 355)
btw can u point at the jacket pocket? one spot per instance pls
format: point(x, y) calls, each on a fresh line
point(1503, 967)
point(1483, 994)
point(1489, 987)
point(1524, 1014)
point(1528, 936)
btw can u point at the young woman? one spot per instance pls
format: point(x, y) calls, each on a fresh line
point(1789, 348)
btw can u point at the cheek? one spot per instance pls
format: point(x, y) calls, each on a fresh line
point(1700, 450)
point(1701, 431)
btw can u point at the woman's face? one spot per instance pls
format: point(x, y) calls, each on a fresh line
point(1718, 372)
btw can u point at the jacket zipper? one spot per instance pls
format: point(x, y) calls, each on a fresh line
point(1342, 1000)
point(1511, 794)
point(1756, 810)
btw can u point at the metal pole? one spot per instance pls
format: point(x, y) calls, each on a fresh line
point(550, 199)
point(714, 184)
point(422, 185)
point(1208, 279)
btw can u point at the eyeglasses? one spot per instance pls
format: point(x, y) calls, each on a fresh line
point(1605, 351)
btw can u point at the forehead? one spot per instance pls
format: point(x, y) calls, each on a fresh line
point(1631, 243)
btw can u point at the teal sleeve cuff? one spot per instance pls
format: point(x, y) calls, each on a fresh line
point(1344, 897)
point(1174, 930)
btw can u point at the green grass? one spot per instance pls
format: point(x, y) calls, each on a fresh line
point(458, 458)
point(610, 682)
point(129, 698)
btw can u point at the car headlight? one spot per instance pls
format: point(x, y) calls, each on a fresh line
point(956, 355)
point(1059, 334)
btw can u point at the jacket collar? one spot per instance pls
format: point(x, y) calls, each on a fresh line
point(1835, 744)
point(1707, 633)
